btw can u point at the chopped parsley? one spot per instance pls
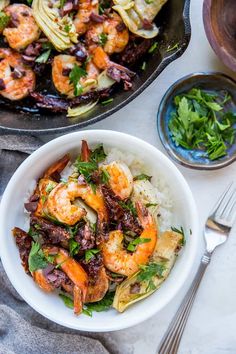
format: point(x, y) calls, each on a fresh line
point(181, 232)
point(44, 198)
point(151, 205)
point(128, 205)
point(34, 234)
point(199, 122)
point(43, 58)
point(37, 259)
point(173, 47)
point(138, 241)
point(153, 48)
point(148, 272)
point(102, 39)
point(89, 254)
point(50, 187)
point(74, 247)
point(99, 306)
point(62, 3)
point(142, 176)
point(88, 168)
point(144, 65)
point(4, 20)
point(67, 28)
point(104, 103)
point(105, 176)
point(75, 75)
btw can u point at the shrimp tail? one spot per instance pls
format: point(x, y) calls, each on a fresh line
point(85, 152)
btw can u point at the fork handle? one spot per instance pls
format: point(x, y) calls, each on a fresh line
point(171, 340)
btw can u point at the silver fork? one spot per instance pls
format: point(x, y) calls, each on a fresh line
point(216, 232)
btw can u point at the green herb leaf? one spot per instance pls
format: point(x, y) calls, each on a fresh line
point(128, 205)
point(44, 198)
point(151, 205)
point(62, 3)
point(99, 306)
point(104, 103)
point(102, 39)
point(138, 241)
point(67, 300)
point(98, 154)
point(144, 66)
point(4, 20)
point(90, 254)
point(154, 47)
point(37, 258)
point(73, 247)
point(151, 270)
point(171, 48)
point(50, 187)
point(142, 176)
point(181, 232)
point(75, 75)
point(34, 234)
point(105, 177)
point(43, 58)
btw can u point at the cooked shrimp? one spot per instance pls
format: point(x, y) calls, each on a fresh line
point(117, 259)
point(97, 290)
point(42, 282)
point(114, 40)
point(120, 178)
point(16, 80)
point(44, 187)
point(59, 202)
point(82, 19)
point(23, 29)
point(61, 68)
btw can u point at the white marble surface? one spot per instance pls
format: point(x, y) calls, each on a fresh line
point(211, 328)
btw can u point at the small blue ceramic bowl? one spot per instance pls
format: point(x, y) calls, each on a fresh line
point(212, 82)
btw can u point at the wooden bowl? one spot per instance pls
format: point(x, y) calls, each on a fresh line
point(219, 17)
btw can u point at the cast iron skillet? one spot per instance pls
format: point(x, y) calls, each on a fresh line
point(174, 24)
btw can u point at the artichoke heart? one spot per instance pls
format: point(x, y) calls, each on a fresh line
point(60, 31)
point(164, 256)
point(133, 14)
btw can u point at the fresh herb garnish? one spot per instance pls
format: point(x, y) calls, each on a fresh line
point(142, 176)
point(199, 122)
point(104, 103)
point(44, 198)
point(88, 168)
point(151, 270)
point(153, 48)
point(181, 232)
point(67, 300)
point(73, 230)
point(151, 205)
point(99, 306)
point(128, 205)
point(75, 75)
point(90, 254)
point(74, 247)
point(67, 28)
point(37, 259)
point(29, 2)
point(102, 39)
point(98, 154)
point(43, 58)
point(103, 5)
point(138, 241)
point(49, 187)
point(34, 234)
point(4, 20)
point(105, 176)
point(62, 3)
point(171, 48)
point(144, 65)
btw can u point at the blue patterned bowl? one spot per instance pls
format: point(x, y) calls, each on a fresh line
point(213, 82)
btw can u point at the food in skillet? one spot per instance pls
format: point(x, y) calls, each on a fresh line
point(82, 47)
point(99, 231)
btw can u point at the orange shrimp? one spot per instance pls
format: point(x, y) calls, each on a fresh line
point(117, 259)
point(17, 80)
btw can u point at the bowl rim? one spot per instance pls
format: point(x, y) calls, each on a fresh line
point(171, 152)
point(194, 223)
point(219, 50)
point(165, 62)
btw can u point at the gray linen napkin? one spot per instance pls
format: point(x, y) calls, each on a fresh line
point(22, 330)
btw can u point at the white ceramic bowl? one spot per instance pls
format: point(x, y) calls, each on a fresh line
point(11, 214)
